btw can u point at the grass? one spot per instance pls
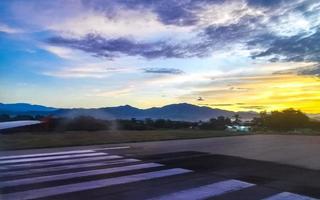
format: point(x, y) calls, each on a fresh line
point(30, 140)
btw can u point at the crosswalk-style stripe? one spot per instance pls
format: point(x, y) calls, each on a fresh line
point(66, 167)
point(65, 176)
point(112, 148)
point(58, 162)
point(50, 158)
point(206, 191)
point(46, 154)
point(50, 191)
point(289, 196)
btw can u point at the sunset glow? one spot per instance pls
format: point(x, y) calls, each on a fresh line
point(236, 55)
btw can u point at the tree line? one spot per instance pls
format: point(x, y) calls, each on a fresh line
point(89, 123)
point(286, 120)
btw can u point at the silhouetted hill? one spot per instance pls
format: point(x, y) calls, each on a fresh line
point(19, 108)
point(181, 112)
point(186, 112)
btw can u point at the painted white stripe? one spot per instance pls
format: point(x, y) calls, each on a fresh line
point(46, 154)
point(206, 191)
point(65, 176)
point(289, 196)
point(65, 167)
point(58, 162)
point(50, 191)
point(51, 158)
point(113, 148)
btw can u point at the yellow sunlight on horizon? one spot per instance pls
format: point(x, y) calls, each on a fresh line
point(273, 92)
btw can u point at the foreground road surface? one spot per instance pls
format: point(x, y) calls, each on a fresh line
point(300, 151)
point(216, 168)
point(107, 173)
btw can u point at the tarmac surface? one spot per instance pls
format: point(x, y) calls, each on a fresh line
point(244, 167)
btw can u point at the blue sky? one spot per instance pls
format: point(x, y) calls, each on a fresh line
point(235, 54)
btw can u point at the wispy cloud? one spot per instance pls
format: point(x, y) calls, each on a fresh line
point(163, 71)
point(8, 29)
point(61, 52)
point(99, 70)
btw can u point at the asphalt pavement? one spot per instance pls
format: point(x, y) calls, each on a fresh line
point(244, 167)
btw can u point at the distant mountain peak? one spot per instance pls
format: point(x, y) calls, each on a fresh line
point(25, 107)
point(178, 111)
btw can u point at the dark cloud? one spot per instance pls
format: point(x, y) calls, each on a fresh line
point(173, 12)
point(246, 28)
point(163, 71)
point(249, 30)
point(103, 47)
point(217, 35)
point(109, 48)
point(265, 3)
point(313, 70)
point(300, 47)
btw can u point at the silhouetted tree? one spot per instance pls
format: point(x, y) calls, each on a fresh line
point(285, 120)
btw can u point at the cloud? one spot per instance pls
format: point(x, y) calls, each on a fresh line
point(265, 3)
point(169, 12)
point(163, 71)
point(254, 107)
point(99, 70)
point(171, 28)
point(109, 48)
point(275, 30)
point(61, 52)
point(313, 70)
point(298, 48)
point(78, 18)
point(9, 30)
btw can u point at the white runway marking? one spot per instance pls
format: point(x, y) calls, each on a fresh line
point(58, 162)
point(206, 191)
point(65, 176)
point(113, 148)
point(50, 191)
point(289, 196)
point(66, 167)
point(46, 154)
point(50, 158)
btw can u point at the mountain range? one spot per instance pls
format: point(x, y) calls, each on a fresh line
point(182, 112)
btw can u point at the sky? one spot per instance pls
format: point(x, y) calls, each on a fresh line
point(230, 54)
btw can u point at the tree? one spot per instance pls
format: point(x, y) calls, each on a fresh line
point(285, 120)
point(237, 119)
point(219, 123)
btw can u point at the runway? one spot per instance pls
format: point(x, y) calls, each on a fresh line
point(118, 173)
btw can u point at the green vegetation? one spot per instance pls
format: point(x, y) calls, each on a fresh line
point(74, 138)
